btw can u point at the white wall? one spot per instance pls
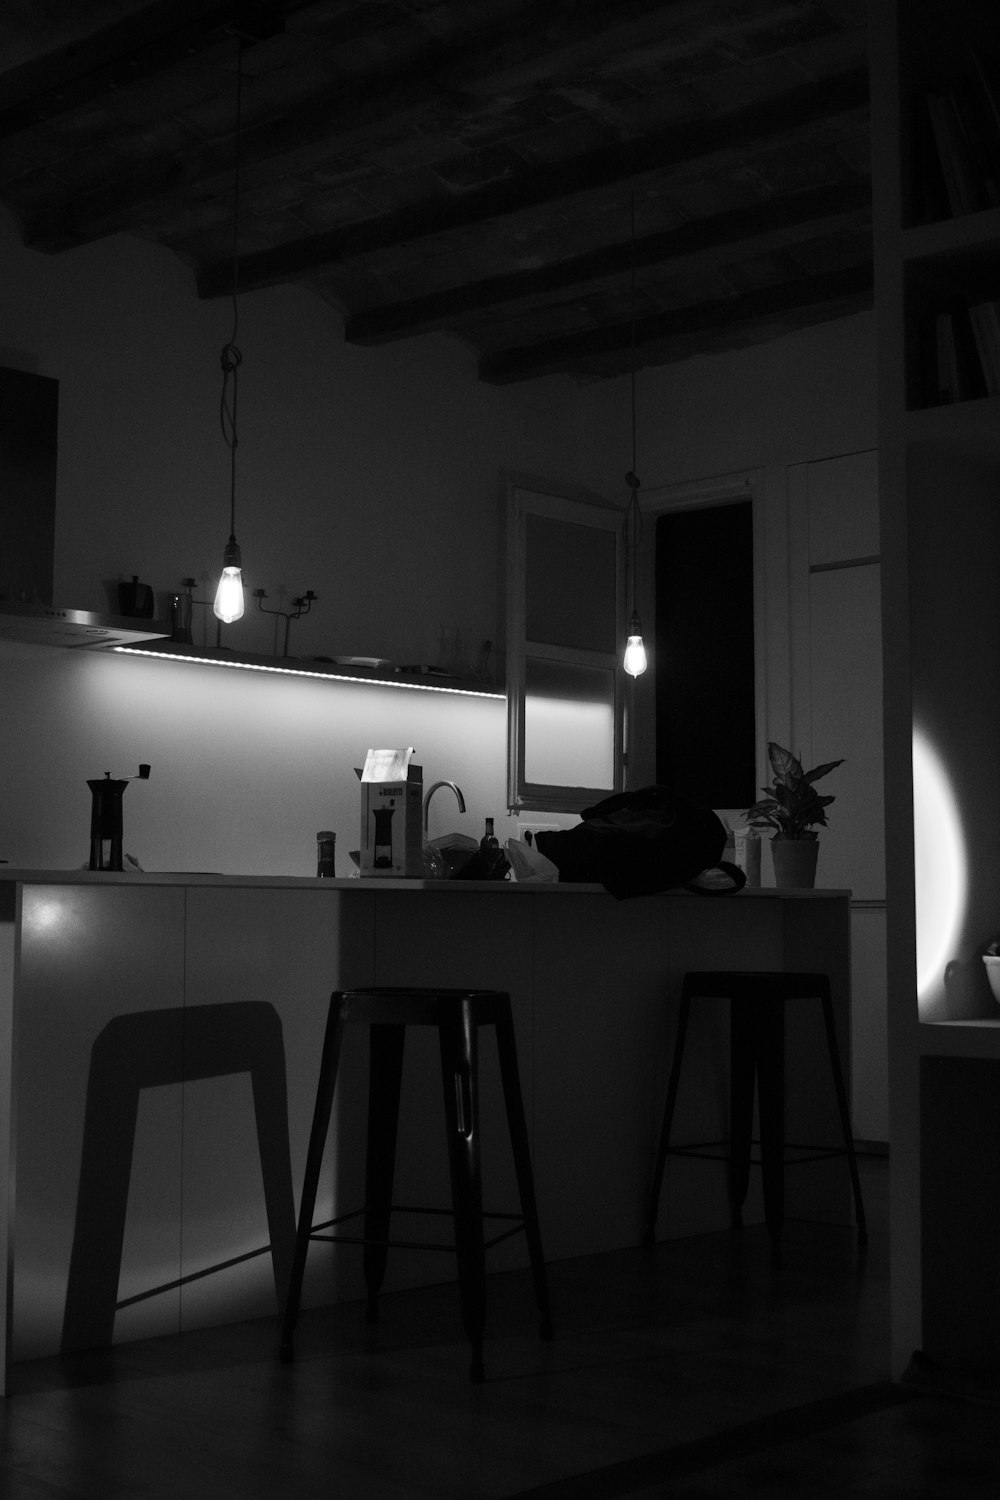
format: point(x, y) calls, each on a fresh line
point(805, 396)
point(370, 476)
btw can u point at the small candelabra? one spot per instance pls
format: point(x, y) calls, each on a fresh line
point(300, 606)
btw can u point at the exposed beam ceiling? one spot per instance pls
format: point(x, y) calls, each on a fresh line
point(465, 166)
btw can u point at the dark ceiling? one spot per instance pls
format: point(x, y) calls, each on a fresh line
point(468, 166)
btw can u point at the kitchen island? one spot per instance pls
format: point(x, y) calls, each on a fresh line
point(89, 957)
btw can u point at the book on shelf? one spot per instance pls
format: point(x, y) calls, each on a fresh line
point(979, 107)
point(948, 385)
point(964, 120)
point(954, 154)
point(988, 82)
point(955, 365)
point(985, 320)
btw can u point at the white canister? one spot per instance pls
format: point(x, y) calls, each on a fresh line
point(746, 845)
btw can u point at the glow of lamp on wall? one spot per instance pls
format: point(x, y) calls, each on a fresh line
point(940, 869)
point(568, 742)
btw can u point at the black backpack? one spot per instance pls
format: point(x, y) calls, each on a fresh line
point(637, 843)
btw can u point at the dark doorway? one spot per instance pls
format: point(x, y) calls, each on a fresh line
point(705, 729)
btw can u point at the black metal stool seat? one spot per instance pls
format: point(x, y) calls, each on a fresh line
point(757, 1058)
point(457, 1015)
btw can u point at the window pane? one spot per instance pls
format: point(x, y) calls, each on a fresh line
point(571, 573)
point(569, 725)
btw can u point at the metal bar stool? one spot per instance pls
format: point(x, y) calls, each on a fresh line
point(757, 1058)
point(458, 1015)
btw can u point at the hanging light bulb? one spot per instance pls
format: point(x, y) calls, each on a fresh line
point(635, 652)
point(229, 604)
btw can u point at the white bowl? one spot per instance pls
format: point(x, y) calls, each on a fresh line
point(992, 962)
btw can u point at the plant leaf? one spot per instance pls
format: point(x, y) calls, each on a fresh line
point(823, 770)
point(759, 809)
point(784, 764)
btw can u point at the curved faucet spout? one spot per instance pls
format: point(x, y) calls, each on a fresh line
point(429, 794)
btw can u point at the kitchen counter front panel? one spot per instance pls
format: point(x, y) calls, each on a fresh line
point(369, 883)
point(593, 983)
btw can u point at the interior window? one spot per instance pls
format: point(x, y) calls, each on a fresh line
point(565, 616)
point(569, 724)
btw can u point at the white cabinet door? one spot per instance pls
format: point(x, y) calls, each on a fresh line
point(99, 965)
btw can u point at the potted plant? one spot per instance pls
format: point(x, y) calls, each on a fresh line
point(792, 808)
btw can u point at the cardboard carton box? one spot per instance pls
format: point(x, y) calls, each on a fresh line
point(392, 789)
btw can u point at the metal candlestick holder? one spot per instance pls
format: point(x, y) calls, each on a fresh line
point(300, 607)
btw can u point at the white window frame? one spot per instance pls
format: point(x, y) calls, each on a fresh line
point(527, 496)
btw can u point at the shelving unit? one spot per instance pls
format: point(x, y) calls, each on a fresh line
point(937, 254)
point(948, 150)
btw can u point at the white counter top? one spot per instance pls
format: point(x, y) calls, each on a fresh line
point(312, 883)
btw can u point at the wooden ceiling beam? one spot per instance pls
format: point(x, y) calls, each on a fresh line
point(823, 296)
point(678, 145)
point(439, 76)
point(783, 220)
point(135, 47)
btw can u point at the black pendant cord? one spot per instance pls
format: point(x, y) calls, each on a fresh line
point(230, 364)
point(231, 357)
point(632, 335)
point(634, 514)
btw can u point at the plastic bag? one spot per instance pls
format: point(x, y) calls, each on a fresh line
point(529, 865)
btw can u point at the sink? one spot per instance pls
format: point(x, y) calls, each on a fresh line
point(453, 850)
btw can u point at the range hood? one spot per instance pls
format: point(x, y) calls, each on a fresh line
point(29, 405)
point(49, 625)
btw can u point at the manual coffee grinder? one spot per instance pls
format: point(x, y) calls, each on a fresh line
point(106, 819)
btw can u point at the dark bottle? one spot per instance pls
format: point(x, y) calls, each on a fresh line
point(326, 848)
point(489, 839)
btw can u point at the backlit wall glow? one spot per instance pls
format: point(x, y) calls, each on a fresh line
point(245, 767)
point(939, 866)
point(569, 743)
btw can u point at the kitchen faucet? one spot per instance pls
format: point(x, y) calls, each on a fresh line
point(429, 794)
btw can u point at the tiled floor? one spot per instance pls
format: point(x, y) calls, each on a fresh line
point(694, 1370)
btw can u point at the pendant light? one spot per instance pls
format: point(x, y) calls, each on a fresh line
point(635, 652)
point(229, 604)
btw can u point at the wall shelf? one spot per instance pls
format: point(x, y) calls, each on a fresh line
point(971, 236)
point(978, 1038)
point(969, 429)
